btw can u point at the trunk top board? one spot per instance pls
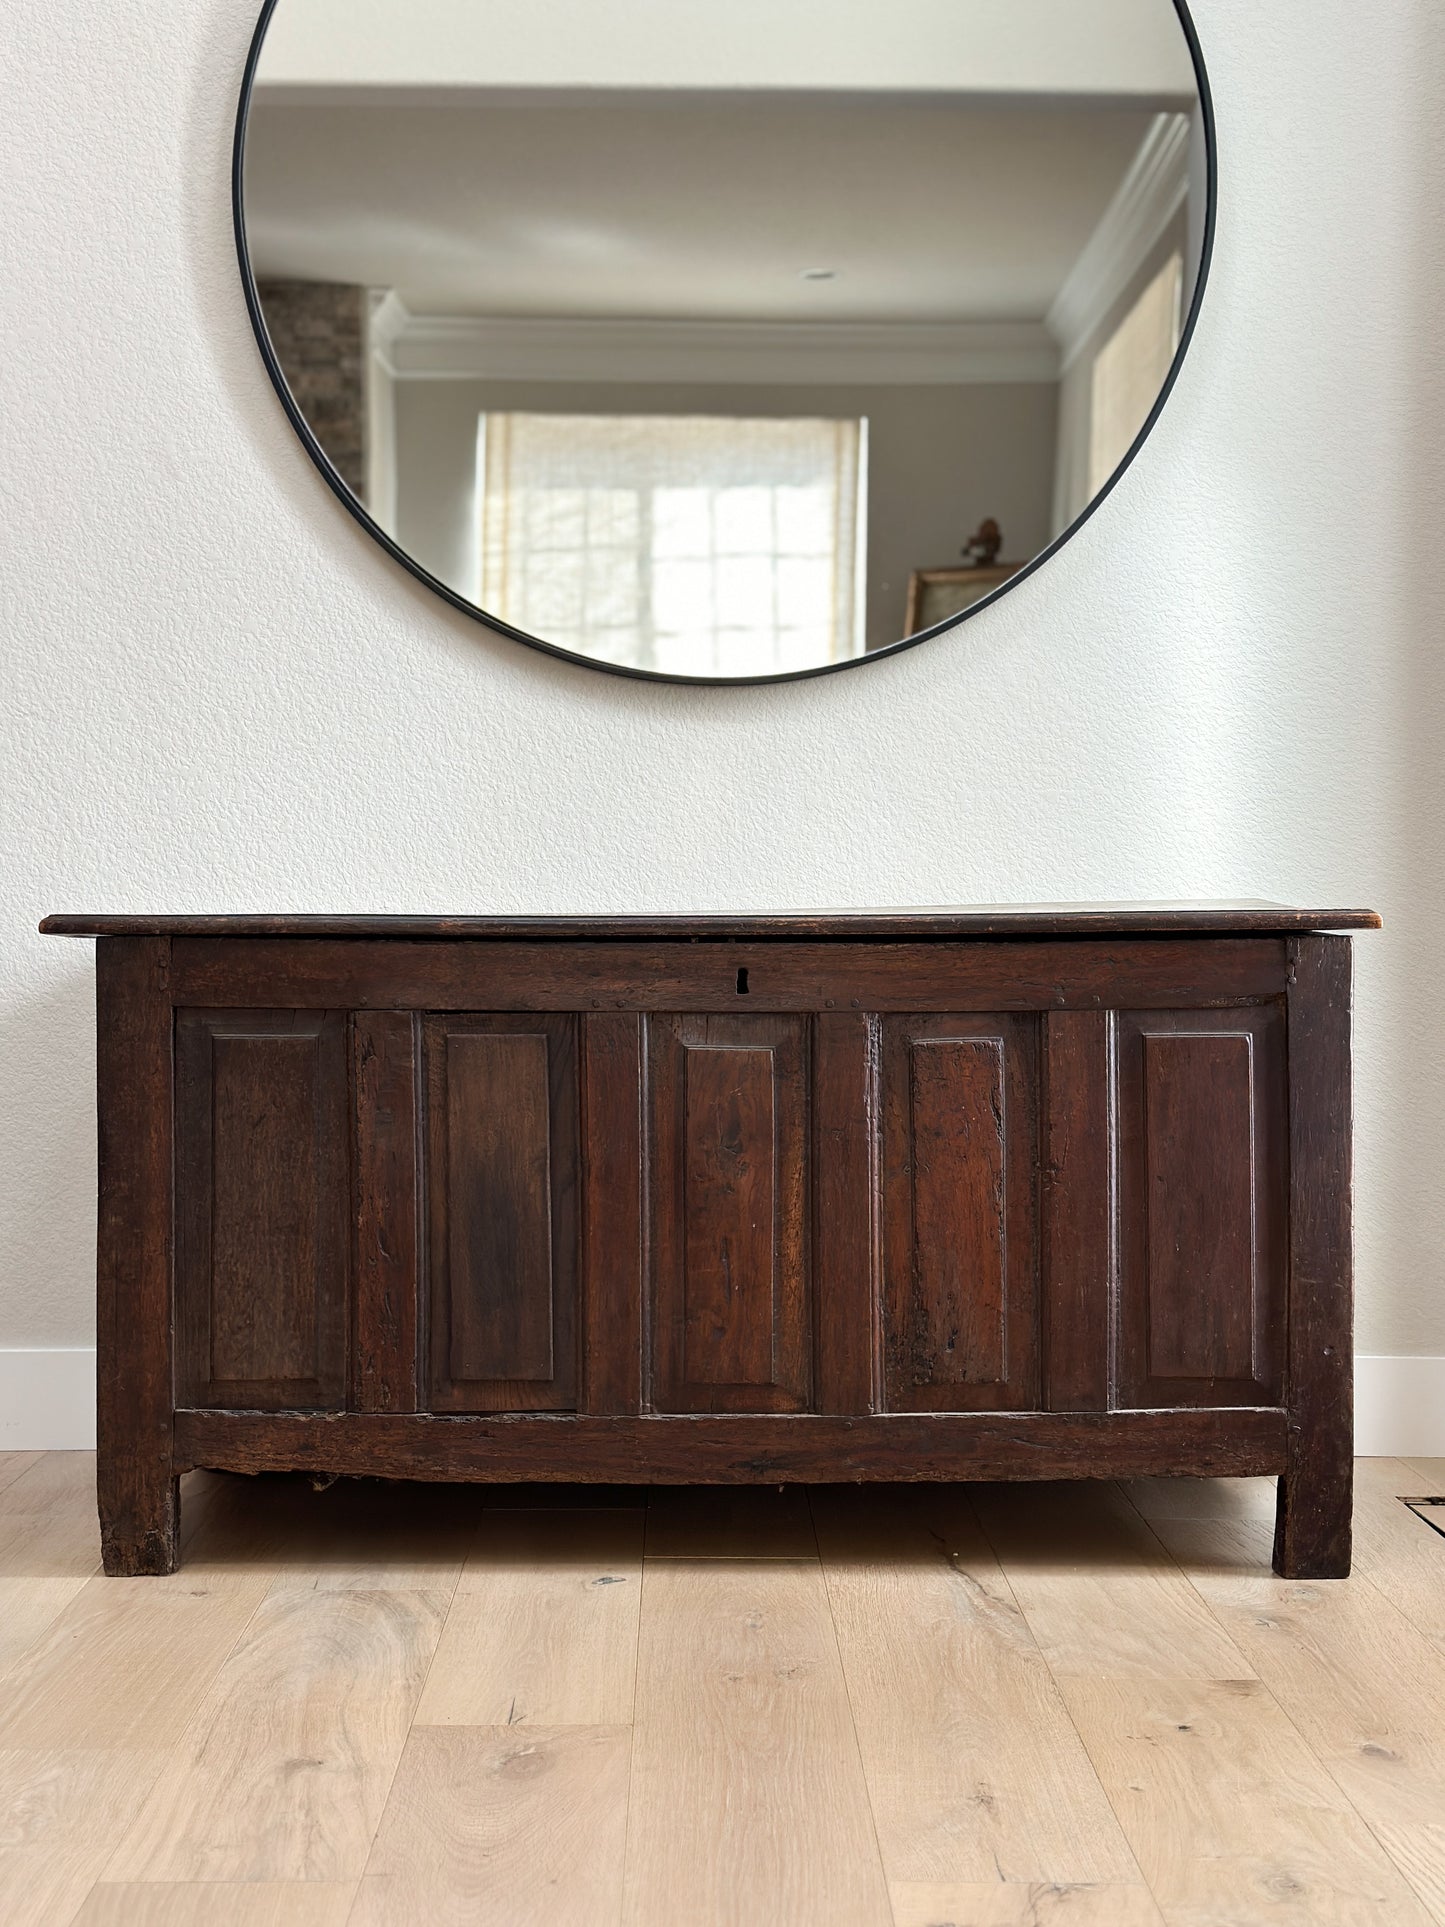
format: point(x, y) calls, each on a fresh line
point(841, 926)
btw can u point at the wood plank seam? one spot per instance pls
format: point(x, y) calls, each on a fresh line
point(848, 1694)
point(1358, 1584)
point(411, 1724)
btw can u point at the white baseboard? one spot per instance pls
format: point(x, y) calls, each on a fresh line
point(47, 1404)
point(1399, 1407)
point(47, 1400)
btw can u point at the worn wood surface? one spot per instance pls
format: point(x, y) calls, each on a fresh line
point(960, 1214)
point(407, 974)
point(502, 1108)
point(134, 1336)
point(977, 920)
point(615, 1177)
point(1077, 1210)
point(1312, 1539)
point(847, 1215)
point(731, 1310)
point(1203, 1174)
point(386, 1199)
point(776, 1448)
point(263, 1238)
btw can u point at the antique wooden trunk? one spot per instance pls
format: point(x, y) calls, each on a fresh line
point(933, 1195)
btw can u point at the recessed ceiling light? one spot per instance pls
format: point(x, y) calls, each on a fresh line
point(819, 274)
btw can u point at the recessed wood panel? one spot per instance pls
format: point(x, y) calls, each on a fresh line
point(730, 1213)
point(958, 1330)
point(1202, 1235)
point(1202, 1172)
point(499, 1225)
point(731, 1327)
point(262, 1208)
point(960, 1310)
point(502, 1183)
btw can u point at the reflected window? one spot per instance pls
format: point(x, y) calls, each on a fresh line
point(695, 545)
point(1131, 369)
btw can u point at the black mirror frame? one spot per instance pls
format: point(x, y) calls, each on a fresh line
point(477, 614)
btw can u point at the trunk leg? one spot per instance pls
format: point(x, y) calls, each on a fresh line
point(135, 1407)
point(139, 1526)
point(1312, 1534)
point(1312, 1520)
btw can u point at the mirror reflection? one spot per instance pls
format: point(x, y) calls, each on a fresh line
point(724, 343)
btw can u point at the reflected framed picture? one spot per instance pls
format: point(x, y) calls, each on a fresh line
point(936, 594)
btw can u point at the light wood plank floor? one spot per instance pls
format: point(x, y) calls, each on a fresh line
point(382, 1705)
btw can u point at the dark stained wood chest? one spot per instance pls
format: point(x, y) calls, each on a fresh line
point(982, 1194)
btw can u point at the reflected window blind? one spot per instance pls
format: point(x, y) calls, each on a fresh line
point(695, 545)
point(1130, 370)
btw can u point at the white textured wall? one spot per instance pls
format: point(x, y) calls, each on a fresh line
point(218, 695)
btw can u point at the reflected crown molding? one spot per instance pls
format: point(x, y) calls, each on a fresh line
point(1149, 197)
point(390, 318)
point(468, 348)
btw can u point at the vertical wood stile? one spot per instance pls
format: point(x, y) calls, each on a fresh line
point(614, 1190)
point(1079, 1274)
point(845, 1191)
point(386, 1195)
point(137, 1486)
point(1312, 1536)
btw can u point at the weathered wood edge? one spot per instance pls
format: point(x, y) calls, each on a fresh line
point(613, 1275)
point(136, 1482)
point(386, 1199)
point(1077, 1209)
point(982, 920)
point(1313, 1525)
point(778, 1448)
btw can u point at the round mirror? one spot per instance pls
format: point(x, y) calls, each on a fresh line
point(723, 344)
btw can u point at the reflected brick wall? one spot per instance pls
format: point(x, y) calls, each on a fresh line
point(318, 329)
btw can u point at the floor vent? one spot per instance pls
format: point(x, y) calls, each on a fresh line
point(1432, 1511)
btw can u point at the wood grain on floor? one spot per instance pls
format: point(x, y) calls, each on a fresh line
point(498, 1826)
point(216, 1903)
point(543, 1630)
point(283, 1772)
point(748, 1800)
point(974, 1770)
point(933, 1706)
